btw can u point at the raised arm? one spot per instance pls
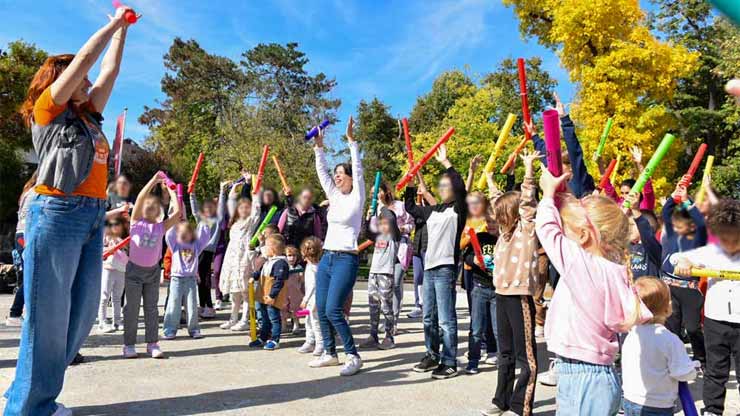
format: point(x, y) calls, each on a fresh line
point(69, 81)
point(428, 197)
point(474, 162)
point(701, 226)
point(527, 201)
point(582, 182)
point(194, 206)
point(221, 207)
point(358, 179)
point(175, 217)
point(322, 169)
point(109, 69)
point(667, 213)
point(647, 236)
point(416, 211)
point(137, 213)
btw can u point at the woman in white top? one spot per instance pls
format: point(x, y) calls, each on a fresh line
point(337, 269)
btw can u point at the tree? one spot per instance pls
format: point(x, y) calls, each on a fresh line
point(703, 110)
point(620, 69)
point(18, 64)
point(431, 108)
point(378, 134)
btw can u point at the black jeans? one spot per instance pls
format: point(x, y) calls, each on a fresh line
point(722, 341)
point(516, 348)
point(204, 286)
point(687, 304)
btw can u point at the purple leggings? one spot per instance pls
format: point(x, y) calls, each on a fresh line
point(418, 278)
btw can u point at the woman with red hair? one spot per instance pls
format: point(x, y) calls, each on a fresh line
point(66, 218)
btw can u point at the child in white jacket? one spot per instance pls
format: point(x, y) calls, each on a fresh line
point(113, 277)
point(311, 252)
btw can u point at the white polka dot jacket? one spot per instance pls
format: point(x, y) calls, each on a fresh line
point(515, 256)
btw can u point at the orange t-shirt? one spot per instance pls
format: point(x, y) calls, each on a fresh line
point(45, 110)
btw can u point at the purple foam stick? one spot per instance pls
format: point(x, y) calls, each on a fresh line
point(315, 131)
point(687, 402)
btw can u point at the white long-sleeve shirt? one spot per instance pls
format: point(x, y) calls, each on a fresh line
point(723, 296)
point(309, 281)
point(345, 210)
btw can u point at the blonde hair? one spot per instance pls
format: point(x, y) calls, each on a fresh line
point(311, 249)
point(655, 294)
point(278, 243)
point(609, 226)
point(291, 249)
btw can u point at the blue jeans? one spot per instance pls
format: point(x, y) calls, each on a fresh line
point(633, 409)
point(270, 323)
point(181, 287)
point(440, 314)
point(335, 279)
point(587, 389)
point(483, 308)
point(62, 277)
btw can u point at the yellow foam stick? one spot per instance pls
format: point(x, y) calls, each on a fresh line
point(616, 167)
point(510, 120)
point(716, 274)
point(252, 314)
point(707, 172)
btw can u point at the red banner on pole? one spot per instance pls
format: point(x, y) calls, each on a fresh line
point(118, 142)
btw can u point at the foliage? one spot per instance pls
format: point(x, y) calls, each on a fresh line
point(18, 63)
point(621, 70)
point(430, 109)
point(229, 111)
point(378, 134)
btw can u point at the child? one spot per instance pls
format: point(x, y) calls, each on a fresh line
point(645, 249)
point(380, 283)
point(515, 279)
point(293, 285)
point(186, 250)
point(208, 217)
point(311, 252)
point(272, 293)
point(654, 359)
point(238, 263)
point(722, 308)
point(685, 229)
point(143, 271)
point(586, 241)
point(114, 276)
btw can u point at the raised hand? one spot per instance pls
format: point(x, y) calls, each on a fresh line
point(530, 128)
point(318, 141)
point(559, 106)
point(550, 184)
point(475, 162)
point(350, 127)
point(441, 154)
point(528, 159)
point(636, 153)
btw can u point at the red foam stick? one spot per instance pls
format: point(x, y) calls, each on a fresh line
point(476, 247)
point(607, 174)
point(261, 170)
point(406, 135)
point(523, 94)
point(167, 181)
point(428, 155)
point(130, 16)
point(112, 250)
point(364, 245)
point(196, 171)
point(686, 179)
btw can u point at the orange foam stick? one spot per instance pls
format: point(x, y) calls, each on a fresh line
point(261, 170)
point(196, 171)
point(607, 174)
point(280, 172)
point(407, 137)
point(428, 155)
point(364, 245)
point(112, 250)
point(514, 154)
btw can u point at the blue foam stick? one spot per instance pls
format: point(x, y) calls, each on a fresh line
point(376, 187)
point(315, 131)
point(731, 9)
point(687, 402)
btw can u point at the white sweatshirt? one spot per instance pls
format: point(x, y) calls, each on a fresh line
point(309, 280)
point(345, 210)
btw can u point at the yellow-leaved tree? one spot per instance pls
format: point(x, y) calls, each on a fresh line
point(620, 70)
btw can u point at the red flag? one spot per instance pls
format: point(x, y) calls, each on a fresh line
point(118, 142)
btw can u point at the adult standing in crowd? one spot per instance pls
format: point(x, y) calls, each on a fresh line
point(64, 243)
point(337, 269)
point(301, 220)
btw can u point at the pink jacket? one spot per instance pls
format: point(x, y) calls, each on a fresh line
point(648, 195)
point(592, 300)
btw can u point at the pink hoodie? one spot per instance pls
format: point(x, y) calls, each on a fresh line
point(592, 299)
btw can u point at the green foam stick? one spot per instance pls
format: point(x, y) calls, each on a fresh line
point(604, 135)
point(268, 217)
point(647, 173)
point(731, 9)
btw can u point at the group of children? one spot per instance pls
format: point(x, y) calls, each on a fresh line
point(621, 280)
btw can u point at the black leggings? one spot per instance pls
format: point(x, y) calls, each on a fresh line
point(687, 304)
point(204, 286)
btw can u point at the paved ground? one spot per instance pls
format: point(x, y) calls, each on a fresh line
point(218, 375)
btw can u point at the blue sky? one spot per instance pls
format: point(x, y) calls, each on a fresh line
point(392, 50)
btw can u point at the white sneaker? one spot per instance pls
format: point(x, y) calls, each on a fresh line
point(227, 325)
point(550, 378)
point(325, 360)
point(306, 348)
point(14, 322)
point(207, 313)
point(218, 305)
point(240, 326)
point(106, 329)
point(61, 411)
point(154, 350)
point(415, 313)
point(351, 366)
point(492, 360)
point(319, 350)
point(539, 331)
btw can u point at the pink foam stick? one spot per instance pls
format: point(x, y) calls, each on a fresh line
point(167, 181)
point(551, 127)
point(130, 16)
point(302, 313)
point(428, 155)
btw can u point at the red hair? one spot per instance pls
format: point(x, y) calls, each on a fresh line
point(45, 76)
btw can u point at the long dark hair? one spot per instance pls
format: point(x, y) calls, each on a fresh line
point(388, 192)
point(347, 168)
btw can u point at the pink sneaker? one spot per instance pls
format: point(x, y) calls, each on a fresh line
point(153, 349)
